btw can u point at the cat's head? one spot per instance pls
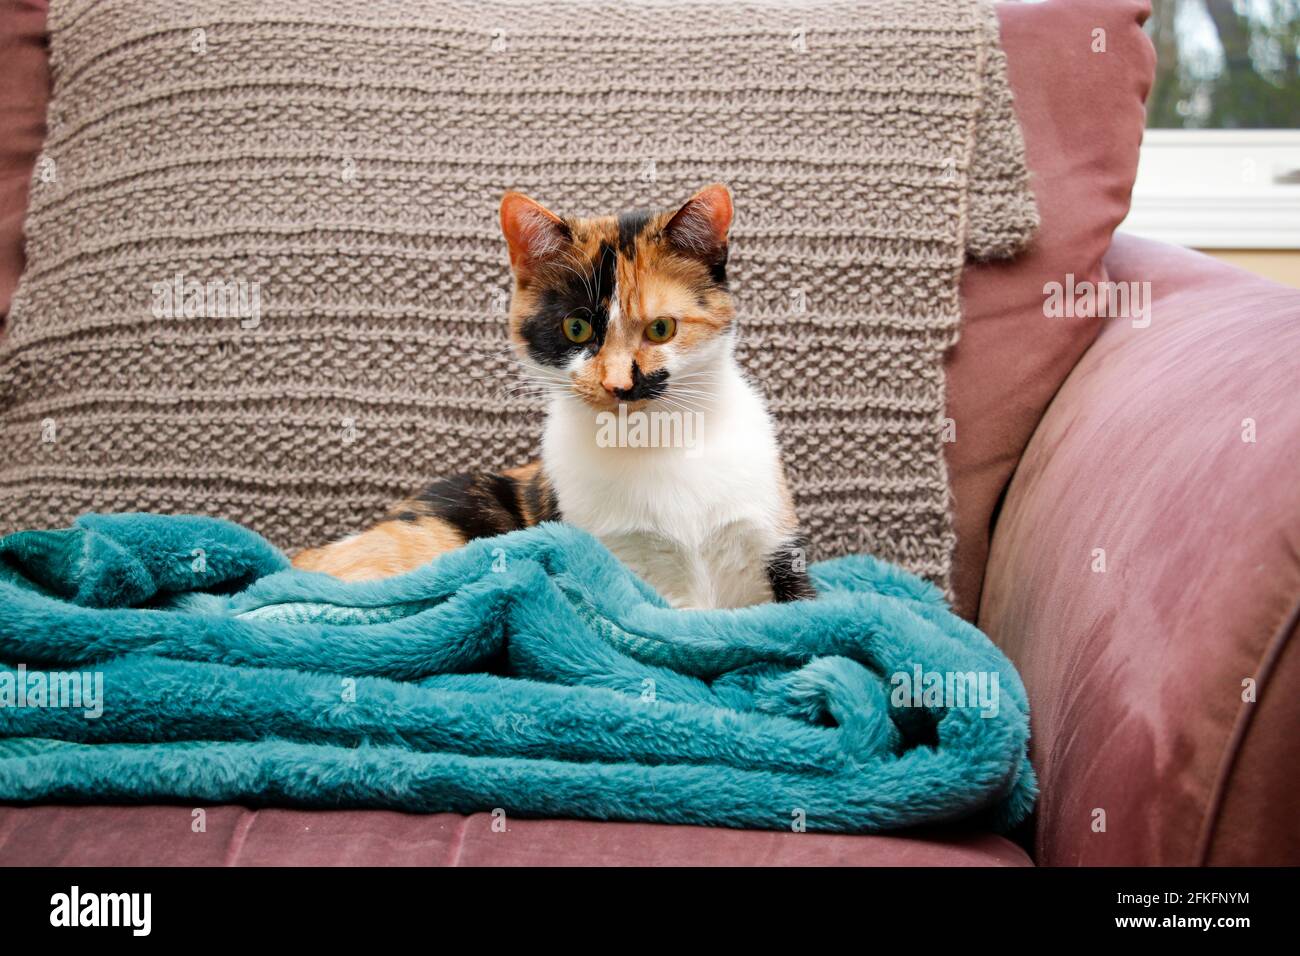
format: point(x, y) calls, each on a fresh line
point(621, 308)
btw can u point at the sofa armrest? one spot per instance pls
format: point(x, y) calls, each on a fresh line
point(1145, 576)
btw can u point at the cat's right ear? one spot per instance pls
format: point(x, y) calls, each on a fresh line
point(533, 233)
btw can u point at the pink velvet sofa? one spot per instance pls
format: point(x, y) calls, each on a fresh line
point(1165, 689)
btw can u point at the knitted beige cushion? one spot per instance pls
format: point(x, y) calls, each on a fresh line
point(326, 175)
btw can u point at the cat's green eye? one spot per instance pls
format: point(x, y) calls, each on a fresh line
point(661, 330)
point(577, 330)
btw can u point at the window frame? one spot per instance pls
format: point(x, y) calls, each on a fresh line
point(1218, 189)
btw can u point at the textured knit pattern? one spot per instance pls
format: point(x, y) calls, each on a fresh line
point(531, 672)
point(347, 159)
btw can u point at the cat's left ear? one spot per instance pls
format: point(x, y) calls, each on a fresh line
point(700, 226)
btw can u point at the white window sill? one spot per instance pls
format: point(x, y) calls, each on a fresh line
point(1219, 189)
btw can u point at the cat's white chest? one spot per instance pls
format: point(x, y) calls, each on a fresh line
point(697, 523)
point(728, 574)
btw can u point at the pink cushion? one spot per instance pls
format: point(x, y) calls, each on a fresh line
point(24, 92)
point(162, 836)
point(1082, 114)
point(1135, 672)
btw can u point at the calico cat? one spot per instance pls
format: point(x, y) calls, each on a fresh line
point(615, 318)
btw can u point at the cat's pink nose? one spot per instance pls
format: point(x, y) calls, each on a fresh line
point(616, 383)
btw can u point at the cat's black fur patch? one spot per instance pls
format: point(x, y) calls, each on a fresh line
point(543, 330)
point(540, 499)
point(468, 504)
point(718, 269)
point(473, 504)
point(482, 504)
point(506, 492)
point(788, 574)
point(630, 225)
point(643, 386)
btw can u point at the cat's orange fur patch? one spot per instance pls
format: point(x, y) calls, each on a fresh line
point(389, 548)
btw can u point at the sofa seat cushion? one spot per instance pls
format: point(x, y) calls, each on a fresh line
point(236, 836)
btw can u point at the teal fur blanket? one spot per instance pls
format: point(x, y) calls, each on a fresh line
point(152, 658)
